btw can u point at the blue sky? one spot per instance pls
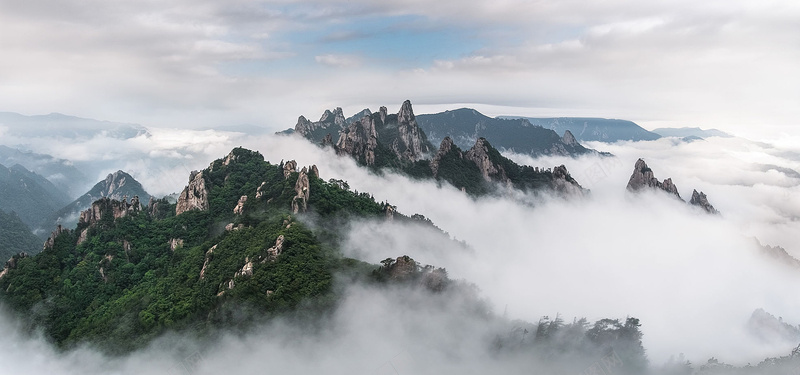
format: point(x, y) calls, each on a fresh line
point(180, 63)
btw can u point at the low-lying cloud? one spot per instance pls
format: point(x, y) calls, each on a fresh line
point(693, 279)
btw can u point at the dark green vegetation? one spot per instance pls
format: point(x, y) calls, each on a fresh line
point(137, 276)
point(456, 167)
point(28, 194)
point(593, 129)
point(16, 237)
point(608, 346)
point(466, 125)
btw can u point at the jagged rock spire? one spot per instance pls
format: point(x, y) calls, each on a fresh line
point(642, 178)
point(700, 200)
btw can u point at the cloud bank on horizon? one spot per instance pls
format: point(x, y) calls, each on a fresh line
point(725, 64)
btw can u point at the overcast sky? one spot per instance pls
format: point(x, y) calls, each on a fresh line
point(732, 65)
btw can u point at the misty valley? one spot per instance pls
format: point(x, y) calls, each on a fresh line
point(395, 243)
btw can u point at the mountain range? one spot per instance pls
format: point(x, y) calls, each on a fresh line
point(397, 142)
point(691, 132)
point(593, 129)
point(464, 126)
point(118, 185)
point(63, 126)
point(31, 196)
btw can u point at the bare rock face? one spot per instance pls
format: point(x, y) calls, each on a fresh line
point(206, 261)
point(239, 209)
point(154, 208)
point(409, 145)
point(564, 184)
point(260, 190)
point(569, 139)
point(300, 201)
point(314, 171)
point(114, 182)
point(359, 140)
point(104, 206)
point(445, 147)
point(329, 120)
point(337, 117)
point(246, 270)
point(700, 200)
point(289, 167)
point(275, 251)
point(383, 112)
point(479, 154)
point(304, 127)
point(327, 141)
point(194, 196)
point(229, 159)
point(175, 243)
point(642, 178)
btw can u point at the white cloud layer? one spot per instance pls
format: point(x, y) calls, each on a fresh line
point(693, 279)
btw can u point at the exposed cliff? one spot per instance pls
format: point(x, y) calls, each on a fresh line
point(700, 200)
point(490, 170)
point(359, 140)
point(116, 186)
point(410, 144)
point(643, 178)
point(194, 196)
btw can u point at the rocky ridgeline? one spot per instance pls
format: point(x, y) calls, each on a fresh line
point(359, 137)
point(643, 179)
point(359, 140)
point(194, 196)
point(105, 206)
point(700, 200)
point(492, 171)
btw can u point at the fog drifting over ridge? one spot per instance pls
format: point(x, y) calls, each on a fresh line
point(693, 279)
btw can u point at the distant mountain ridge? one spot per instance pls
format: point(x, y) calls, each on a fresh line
point(464, 126)
point(691, 132)
point(70, 179)
point(396, 141)
point(58, 125)
point(28, 194)
point(16, 237)
point(593, 129)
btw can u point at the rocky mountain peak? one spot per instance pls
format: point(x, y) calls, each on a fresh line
point(336, 117)
point(410, 145)
point(194, 196)
point(479, 154)
point(359, 140)
point(114, 182)
point(564, 183)
point(383, 112)
point(445, 147)
point(700, 200)
point(304, 126)
point(643, 178)
point(569, 139)
point(406, 113)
